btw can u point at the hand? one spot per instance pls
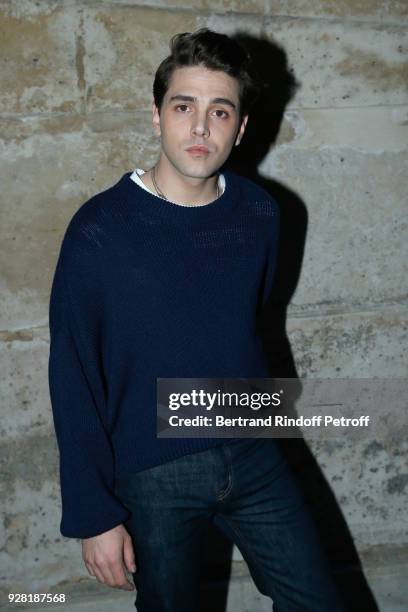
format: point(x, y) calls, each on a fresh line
point(105, 555)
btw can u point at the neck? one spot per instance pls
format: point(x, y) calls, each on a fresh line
point(165, 180)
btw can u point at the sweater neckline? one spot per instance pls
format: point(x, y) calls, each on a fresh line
point(154, 206)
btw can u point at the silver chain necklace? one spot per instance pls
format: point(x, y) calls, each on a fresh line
point(160, 193)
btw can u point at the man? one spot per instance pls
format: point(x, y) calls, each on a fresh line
point(163, 275)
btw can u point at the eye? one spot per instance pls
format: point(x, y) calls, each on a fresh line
point(181, 106)
point(219, 110)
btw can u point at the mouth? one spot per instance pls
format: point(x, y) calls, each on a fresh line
point(198, 150)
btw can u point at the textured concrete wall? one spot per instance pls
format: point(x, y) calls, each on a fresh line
point(75, 99)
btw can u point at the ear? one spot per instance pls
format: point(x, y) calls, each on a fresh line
point(156, 120)
point(241, 130)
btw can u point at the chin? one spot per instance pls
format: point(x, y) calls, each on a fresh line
point(204, 171)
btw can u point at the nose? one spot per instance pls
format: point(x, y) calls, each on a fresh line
point(200, 124)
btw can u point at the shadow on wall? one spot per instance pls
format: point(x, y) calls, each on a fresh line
point(260, 135)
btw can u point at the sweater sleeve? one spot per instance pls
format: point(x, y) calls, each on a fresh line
point(86, 462)
point(272, 252)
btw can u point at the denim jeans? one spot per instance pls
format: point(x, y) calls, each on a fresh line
point(247, 489)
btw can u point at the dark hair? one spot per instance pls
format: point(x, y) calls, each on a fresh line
point(215, 51)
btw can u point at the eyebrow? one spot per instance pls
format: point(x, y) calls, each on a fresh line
point(193, 99)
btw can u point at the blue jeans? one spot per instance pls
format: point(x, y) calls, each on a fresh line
point(246, 488)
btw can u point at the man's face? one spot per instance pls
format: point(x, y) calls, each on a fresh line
point(190, 116)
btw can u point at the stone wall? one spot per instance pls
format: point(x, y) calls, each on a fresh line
point(75, 100)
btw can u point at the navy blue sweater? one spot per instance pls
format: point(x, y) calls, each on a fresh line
point(146, 288)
